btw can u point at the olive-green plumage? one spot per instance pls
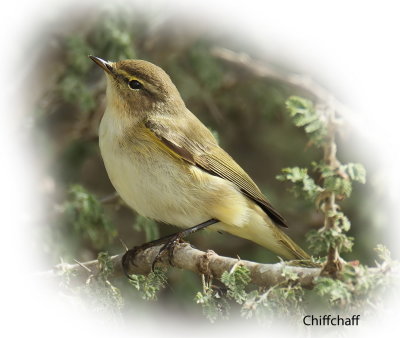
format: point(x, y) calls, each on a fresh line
point(168, 166)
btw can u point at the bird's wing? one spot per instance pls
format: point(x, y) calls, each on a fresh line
point(202, 150)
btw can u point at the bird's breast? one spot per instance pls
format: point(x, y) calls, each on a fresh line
point(151, 180)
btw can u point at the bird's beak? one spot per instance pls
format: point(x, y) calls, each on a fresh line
point(106, 66)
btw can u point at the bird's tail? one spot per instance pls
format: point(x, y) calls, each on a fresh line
point(290, 249)
point(259, 228)
point(265, 233)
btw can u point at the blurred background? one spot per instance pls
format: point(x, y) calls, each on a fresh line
point(246, 112)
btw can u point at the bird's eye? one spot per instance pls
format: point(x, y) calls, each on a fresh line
point(135, 84)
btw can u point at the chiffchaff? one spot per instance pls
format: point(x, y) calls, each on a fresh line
point(168, 166)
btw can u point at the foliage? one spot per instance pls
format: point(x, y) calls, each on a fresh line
point(84, 211)
point(359, 288)
point(264, 305)
point(206, 69)
point(149, 285)
point(233, 103)
point(236, 280)
point(215, 302)
point(305, 115)
point(98, 293)
point(303, 185)
point(319, 241)
point(336, 178)
point(214, 305)
point(72, 87)
point(284, 299)
point(104, 291)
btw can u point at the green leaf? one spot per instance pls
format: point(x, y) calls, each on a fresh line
point(336, 290)
point(304, 115)
point(319, 242)
point(290, 275)
point(383, 253)
point(313, 126)
point(85, 212)
point(77, 51)
point(149, 285)
point(356, 172)
point(105, 265)
point(236, 281)
point(338, 185)
point(213, 305)
point(342, 222)
point(304, 185)
point(74, 90)
point(206, 67)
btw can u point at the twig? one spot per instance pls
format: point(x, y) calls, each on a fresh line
point(189, 258)
point(82, 265)
point(333, 264)
point(110, 198)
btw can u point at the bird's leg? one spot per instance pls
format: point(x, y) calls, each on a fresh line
point(169, 243)
point(175, 238)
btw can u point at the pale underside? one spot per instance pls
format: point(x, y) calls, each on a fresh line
point(149, 180)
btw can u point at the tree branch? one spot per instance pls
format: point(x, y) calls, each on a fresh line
point(299, 81)
point(333, 264)
point(331, 107)
point(189, 258)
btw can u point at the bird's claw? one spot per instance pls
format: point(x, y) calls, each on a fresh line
point(129, 257)
point(169, 242)
point(167, 247)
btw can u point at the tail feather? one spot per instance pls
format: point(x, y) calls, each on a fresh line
point(259, 228)
point(294, 251)
point(270, 236)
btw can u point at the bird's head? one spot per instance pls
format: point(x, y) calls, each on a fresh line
point(139, 88)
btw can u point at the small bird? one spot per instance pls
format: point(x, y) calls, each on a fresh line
point(167, 166)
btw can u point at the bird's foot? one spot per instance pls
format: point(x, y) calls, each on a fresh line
point(168, 247)
point(169, 242)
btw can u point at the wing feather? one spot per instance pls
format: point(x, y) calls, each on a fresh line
point(207, 155)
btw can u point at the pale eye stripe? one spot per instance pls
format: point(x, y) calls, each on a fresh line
point(127, 77)
point(131, 74)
